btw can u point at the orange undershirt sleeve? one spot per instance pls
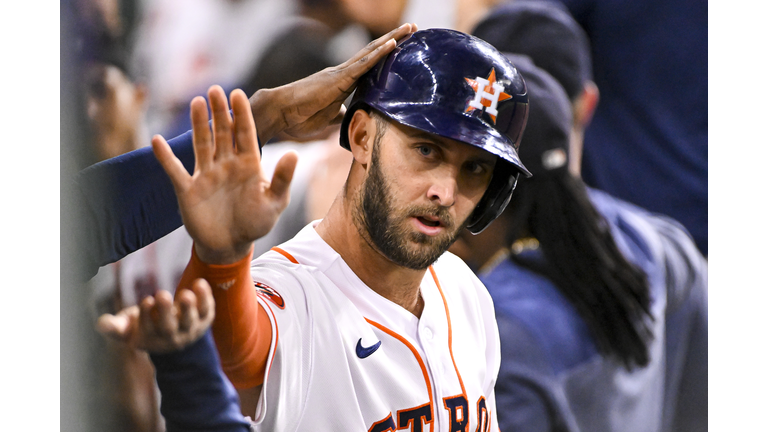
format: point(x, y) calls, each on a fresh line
point(241, 328)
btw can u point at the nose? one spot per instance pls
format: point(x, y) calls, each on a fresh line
point(443, 189)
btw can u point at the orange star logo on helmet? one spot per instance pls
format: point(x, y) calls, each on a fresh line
point(488, 94)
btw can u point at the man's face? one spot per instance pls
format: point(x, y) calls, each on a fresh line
point(115, 109)
point(419, 193)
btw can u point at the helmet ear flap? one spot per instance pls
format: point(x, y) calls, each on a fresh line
point(496, 197)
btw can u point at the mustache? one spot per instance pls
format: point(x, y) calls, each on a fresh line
point(440, 213)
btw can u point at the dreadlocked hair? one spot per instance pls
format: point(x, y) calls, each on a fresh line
point(583, 261)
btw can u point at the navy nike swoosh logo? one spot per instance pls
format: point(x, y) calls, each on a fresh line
point(364, 352)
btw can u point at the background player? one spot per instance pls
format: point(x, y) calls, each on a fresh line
point(648, 140)
point(602, 329)
point(547, 33)
point(349, 301)
point(601, 306)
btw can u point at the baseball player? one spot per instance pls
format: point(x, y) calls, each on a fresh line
point(602, 305)
point(362, 322)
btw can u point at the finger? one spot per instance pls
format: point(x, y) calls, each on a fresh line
point(205, 304)
point(165, 320)
point(170, 163)
point(340, 116)
point(187, 306)
point(147, 326)
point(202, 142)
point(245, 128)
point(281, 179)
point(374, 51)
point(327, 115)
point(332, 114)
point(222, 121)
point(114, 326)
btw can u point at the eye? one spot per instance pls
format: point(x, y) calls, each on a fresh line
point(475, 168)
point(424, 150)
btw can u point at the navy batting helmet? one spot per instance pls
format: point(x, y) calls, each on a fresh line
point(456, 86)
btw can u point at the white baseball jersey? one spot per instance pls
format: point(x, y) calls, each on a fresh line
point(344, 358)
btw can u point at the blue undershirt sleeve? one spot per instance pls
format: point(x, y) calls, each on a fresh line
point(127, 203)
point(195, 393)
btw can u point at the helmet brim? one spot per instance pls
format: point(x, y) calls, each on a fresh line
point(455, 126)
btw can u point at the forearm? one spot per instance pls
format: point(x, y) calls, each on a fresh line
point(128, 202)
point(241, 328)
point(195, 394)
point(269, 121)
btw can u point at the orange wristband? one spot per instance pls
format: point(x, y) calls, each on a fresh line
point(221, 276)
point(242, 329)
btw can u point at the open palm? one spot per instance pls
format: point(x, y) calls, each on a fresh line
point(227, 202)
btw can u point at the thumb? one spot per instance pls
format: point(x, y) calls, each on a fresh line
point(340, 116)
point(170, 163)
point(281, 179)
point(114, 326)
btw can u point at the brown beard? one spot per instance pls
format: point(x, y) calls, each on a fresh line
point(378, 223)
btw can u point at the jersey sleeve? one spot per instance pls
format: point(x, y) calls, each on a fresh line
point(291, 295)
point(241, 327)
point(195, 394)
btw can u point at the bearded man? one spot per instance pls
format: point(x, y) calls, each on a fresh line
point(363, 321)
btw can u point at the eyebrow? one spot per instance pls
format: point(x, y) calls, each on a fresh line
point(441, 142)
point(418, 134)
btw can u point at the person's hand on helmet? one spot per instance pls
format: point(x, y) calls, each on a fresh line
point(311, 104)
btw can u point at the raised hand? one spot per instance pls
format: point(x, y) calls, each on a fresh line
point(306, 106)
point(227, 202)
point(160, 325)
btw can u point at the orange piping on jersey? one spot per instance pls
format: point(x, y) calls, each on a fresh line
point(293, 260)
point(277, 337)
point(421, 364)
point(285, 254)
point(450, 331)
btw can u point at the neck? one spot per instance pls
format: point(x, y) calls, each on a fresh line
point(398, 284)
point(117, 143)
point(575, 147)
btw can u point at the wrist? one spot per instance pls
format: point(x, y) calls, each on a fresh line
point(220, 258)
point(265, 116)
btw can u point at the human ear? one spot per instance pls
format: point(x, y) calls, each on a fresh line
point(361, 133)
point(140, 93)
point(585, 104)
